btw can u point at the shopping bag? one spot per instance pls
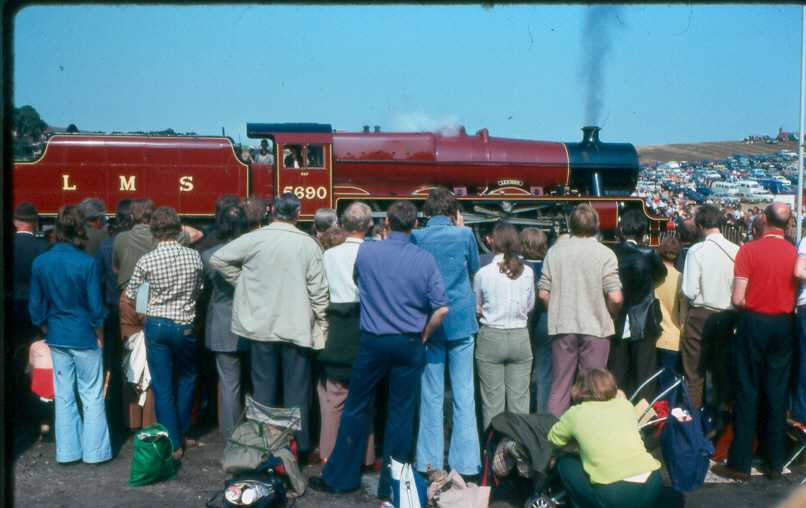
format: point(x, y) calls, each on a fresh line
point(409, 489)
point(686, 451)
point(152, 459)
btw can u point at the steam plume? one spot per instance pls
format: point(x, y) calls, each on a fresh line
point(448, 125)
point(597, 42)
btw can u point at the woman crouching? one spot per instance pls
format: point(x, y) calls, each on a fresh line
point(613, 468)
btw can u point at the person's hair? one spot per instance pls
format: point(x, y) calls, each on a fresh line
point(324, 219)
point(70, 226)
point(508, 244)
point(633, 224)
point(165, 224)
point(669, 249)
point(255, 210)
point(332, 237)
point(286, 206)
point(377, 230)
point(687, 231)
point(534, 243)
point(226, 200)
point(708, 216)
point(231, 223)
point(142, 209)
point(92, 208)
point(594, 385)
point(357, 218)
point(777, 215)
point(123, 217)
point(584, 221)
point(402, 216)
point(440, 201)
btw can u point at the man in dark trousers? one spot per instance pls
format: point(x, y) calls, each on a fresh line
point(27, 246)
point(403, 302)
point(764, 288)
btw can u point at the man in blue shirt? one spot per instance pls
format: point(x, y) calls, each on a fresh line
point(403, 302)
point(457, 254)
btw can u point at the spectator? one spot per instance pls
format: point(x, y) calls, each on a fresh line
point(218, 336)
point(757, 227)
point(344, 334)
point(707, 280)
point(174, 276)
point(26, 248)
point(673, 306)
point(534, 244)
point(688, 234)
point(799, 392)
point(456, 253)
point(66, 302)
point(324, 219)
point(212, 236)
point(505, 294)
point(403, 302)
point(613, 469)
point(94, 212)
point(282, 316)
point(580, 286)
point(633, 356)
point(256, 210)
point(332, 237)
point(764, 289)
point(113, 345)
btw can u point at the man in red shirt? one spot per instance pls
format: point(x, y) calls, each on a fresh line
point(764, 288)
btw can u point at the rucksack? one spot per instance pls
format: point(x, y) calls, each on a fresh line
point(686, 451)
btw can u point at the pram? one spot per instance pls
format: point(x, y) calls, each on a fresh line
point(546, 490)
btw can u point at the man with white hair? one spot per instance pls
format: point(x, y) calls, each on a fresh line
point(281, 314)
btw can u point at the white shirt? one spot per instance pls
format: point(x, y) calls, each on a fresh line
point(802, 293)
point(502, 302)
point(708, 272)
point(339, 263)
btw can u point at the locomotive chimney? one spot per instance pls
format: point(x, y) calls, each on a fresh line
point(366, 128)
point(377, 128)
point(590, 135)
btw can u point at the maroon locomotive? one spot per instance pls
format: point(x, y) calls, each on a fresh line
point(527, 182)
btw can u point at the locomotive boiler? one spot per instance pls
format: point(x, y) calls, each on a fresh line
point(524, 181)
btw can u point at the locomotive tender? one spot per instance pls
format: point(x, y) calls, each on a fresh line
point(527, 182)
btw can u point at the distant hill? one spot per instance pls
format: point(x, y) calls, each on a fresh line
point(708, 151)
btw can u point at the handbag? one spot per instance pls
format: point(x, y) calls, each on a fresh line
point(686, 451)
point(409, 489)
point(654, 317)
point(152, 458)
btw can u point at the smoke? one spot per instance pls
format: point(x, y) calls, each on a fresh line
point(597, 43)
point(447, 125)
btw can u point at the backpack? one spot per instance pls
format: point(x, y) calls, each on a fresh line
point(686, 451)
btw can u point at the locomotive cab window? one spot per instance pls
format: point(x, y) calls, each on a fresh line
point(304, 157)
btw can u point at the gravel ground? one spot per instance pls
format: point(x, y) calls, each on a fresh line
point(39, 481)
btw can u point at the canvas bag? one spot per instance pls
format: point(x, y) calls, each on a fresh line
point(409, 489)
point(686, 451)
point(152, 458)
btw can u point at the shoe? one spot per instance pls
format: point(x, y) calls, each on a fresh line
point(318, 484)
point(178, 453)
point(730, 473)
point(773, 474)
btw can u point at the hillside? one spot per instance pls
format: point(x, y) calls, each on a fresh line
point(707, 151)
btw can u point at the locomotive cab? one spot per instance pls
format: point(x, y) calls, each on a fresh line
point(303, 162)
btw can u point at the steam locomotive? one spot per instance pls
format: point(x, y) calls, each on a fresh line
point(534, 183)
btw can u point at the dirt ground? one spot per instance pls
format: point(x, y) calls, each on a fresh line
point(39, 481)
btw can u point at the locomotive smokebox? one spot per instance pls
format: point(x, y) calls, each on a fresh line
point(590, 135)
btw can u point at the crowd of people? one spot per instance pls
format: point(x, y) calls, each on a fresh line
point(563, 327)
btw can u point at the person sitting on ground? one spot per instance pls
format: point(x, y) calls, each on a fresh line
point(505, 293)
point(613, 468)
point(67, 304)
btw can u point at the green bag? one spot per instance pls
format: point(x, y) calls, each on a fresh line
point(152, 458)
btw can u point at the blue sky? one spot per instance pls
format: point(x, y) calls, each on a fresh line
point(674, 73)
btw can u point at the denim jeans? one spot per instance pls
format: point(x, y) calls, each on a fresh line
point(463, 454)
point(799, 392)
point(171, 350)
point(542, 355)
point(86, 440)
point(402, 358)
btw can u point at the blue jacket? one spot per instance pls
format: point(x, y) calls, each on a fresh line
point(457, 256)
point(66, 297)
